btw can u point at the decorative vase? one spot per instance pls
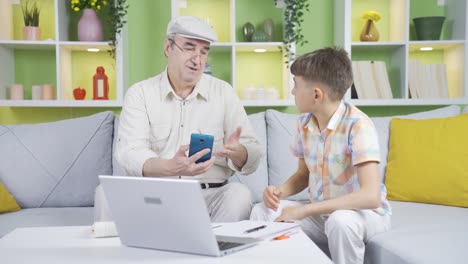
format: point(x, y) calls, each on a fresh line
point(269, 28)
point(31, 33)
point(259, 36)
point(247, 31)
point(428, 28)
point(89, 26)
point(369, 32)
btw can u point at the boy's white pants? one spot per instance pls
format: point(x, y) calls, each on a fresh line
point(346, 231)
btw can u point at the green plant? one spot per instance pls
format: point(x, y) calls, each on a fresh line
point(30, 14)
point(293, 17)
point(78, 5)
point(117, 20)
point(371, 15)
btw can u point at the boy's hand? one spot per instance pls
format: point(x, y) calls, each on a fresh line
point(180, 164)
point(271, 197)
point(290, 214)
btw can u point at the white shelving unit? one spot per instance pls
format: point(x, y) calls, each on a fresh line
point(65, 52)
point(397, 45)
point(240, 53)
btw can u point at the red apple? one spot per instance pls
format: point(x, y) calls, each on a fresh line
point(79, 93)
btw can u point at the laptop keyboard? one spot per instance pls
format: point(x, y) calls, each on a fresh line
point(227, 245)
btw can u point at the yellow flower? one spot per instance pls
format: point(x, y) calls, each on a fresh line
point(93, 3)
point(76, 9)
point(104, 2)
point(372, 15)
point(98, 7)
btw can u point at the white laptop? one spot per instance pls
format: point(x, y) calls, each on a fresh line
point(164, 214)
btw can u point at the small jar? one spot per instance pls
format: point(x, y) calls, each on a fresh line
point(16, 92)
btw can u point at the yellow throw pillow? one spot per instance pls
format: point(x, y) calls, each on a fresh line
point(428, 161)
point(7, 202)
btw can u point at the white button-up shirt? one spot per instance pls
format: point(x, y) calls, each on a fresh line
point(155, 122)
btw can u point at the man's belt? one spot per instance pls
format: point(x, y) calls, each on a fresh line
point(213, 185)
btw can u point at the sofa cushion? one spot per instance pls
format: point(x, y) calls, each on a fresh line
point(258, 180)
point(7, 201)
point(37, 217)
point(421, 233)
point(116, 168)
point(62, 160)
point(281, 162)
point(427, 161)
point(382, 125)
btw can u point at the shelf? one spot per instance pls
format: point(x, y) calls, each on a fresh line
point(262, 103)
point(252, 46)
point(408, 102)
point(436, 45)
point(84, 46)
point(28, 45)
point(236, 61)
point(58, 58)
point(60, 103)
point(397, 47)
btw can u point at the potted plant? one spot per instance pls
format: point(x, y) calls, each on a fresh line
point(31, 12)
point(293, 17)
point(89, 25)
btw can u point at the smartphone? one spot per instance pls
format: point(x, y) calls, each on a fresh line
point(199, 142)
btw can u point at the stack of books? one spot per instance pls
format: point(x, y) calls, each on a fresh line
point(371, 80)
point(427, 80)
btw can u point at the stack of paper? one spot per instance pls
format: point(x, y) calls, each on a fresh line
point(260, 230)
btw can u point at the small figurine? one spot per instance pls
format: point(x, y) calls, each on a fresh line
point(100, 85)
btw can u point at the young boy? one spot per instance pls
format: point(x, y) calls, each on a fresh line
point(338, 153)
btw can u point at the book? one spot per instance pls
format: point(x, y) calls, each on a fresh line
point(371, 80)
point(413, 79)
point(382, 82)
point(369, 84)
point(442, 80)
point(357, 80)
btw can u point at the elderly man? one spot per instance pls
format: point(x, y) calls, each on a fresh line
point(160, 113)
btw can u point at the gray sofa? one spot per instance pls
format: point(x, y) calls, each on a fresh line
point(51, 169)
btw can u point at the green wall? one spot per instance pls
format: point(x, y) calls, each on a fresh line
point(146, 31)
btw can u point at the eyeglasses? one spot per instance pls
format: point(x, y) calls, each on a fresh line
point(191, 51)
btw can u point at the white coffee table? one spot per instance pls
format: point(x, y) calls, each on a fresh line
point(75, 244)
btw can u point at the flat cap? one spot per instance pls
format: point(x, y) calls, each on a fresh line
point(191, 27)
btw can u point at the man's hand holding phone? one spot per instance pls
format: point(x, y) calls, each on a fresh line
point(180, 164)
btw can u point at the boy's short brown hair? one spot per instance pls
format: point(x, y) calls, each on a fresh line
point(329, 66)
